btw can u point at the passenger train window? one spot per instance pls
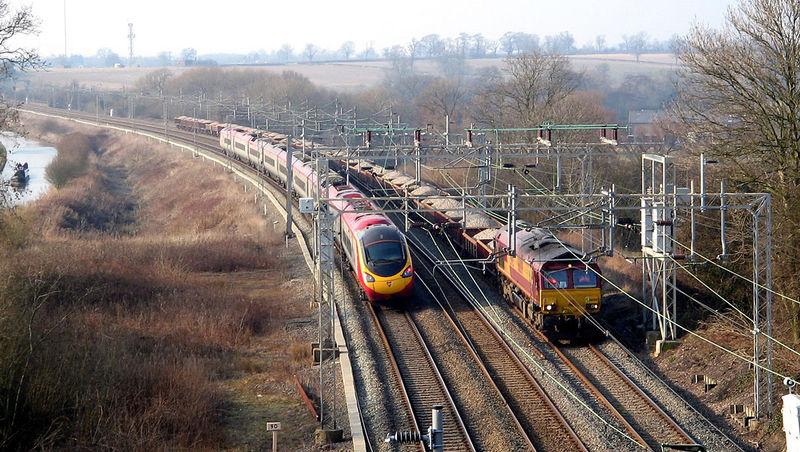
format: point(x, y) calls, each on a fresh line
point(555, 279)
point(583, 278)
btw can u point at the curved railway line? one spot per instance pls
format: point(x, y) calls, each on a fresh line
point(644, 422)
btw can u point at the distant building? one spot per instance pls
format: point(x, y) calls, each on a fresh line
point(643, 126)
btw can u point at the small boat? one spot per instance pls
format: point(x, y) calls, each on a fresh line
point(20, 176)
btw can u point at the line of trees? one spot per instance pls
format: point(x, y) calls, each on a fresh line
point(739, 99)
point(428, 46)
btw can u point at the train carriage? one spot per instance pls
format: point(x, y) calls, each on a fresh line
point(376, 250)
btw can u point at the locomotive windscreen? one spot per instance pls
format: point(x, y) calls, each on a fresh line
point(384, 253)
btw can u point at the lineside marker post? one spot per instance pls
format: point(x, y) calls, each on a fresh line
point(274, 427)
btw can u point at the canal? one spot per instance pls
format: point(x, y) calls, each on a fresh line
point(22, 150)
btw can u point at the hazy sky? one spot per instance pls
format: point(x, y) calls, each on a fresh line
point(239, 26)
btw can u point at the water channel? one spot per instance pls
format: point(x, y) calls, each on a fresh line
point(22, 150)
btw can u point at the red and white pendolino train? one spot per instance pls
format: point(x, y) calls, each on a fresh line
point(376, 250)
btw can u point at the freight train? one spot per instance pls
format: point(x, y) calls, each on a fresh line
point(551, 283)
point(376, 250)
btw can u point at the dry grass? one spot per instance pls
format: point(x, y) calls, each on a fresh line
point(111, 332)
point(72, 160)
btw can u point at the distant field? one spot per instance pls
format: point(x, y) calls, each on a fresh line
point(353, 75)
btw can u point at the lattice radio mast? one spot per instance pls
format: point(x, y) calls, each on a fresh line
point(130, 44)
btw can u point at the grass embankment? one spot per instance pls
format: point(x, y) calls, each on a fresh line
point(118, 329)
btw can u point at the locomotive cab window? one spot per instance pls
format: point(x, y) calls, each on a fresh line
point(384, 253)
point(583, 278)
point(556, 279)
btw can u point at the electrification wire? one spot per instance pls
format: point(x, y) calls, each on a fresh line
point(752, 362)
point(729, 303)
point(491, 313)
point(716, 264)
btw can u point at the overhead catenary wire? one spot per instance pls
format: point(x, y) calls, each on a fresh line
point(689, 331)
point(727, 270)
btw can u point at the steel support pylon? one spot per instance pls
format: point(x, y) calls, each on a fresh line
point(658, 220)
point(659, 289)
point(325, 267)
point(761, 210)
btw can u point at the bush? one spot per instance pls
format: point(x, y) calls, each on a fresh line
point(71, 161)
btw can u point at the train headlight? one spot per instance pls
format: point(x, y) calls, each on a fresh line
point(408, 272)
point(368, 278)
point(549, 307)
point(592, 306)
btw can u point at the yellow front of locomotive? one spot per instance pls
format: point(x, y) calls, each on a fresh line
point(570, 292)
point(385, 264)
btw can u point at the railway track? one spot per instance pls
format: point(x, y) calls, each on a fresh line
point(422, 383)
point(535, 414)
point(643, 422)
point(652, 425)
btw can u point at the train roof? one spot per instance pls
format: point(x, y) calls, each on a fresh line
point(358, 211)
point(538, 246)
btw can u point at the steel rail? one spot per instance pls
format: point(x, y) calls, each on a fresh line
point(533, 411)
point(421, 381)
point(680, 435)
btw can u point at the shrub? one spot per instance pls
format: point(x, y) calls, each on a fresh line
point(71, 161)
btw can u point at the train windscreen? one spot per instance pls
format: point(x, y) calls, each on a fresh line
point(384, 253)
point(582, 279)
point(556, 279)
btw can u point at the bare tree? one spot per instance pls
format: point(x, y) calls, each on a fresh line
point(562, 43)
point(674, 44)
point(479, 46)
point(286, 52)
point(492, 45)
point(741, 91)
point(600, 43)
point(635, 44)
point(107, 57)
point(347, 49)
point(414, 48)
point(443, 97)
point(369, 51)
point(432, 45)
point(14, 23)
point(153, 82)
point(310, 52)
point(537, 82)
point(508, 43)
point(14, 59)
